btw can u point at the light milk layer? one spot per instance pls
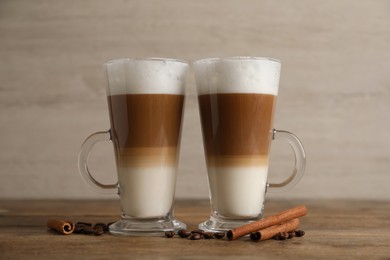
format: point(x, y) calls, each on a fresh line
point(147, 76)
point(147, 192)
point(238, 192)
point(237, 75)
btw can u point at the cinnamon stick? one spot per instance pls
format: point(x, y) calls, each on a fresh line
point(64, 227)
point(279, 218)
point(270, 232)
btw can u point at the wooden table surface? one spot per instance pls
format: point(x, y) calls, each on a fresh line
point(334, 229)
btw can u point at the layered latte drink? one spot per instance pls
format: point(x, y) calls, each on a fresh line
point(237, 98)
point(146, 106)
point(145, 101)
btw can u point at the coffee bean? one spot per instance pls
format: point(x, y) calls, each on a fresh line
point(299, 233)
point(282, 236)
point(88, 230)
point(83, 227)
point(104, 226)
point(195, 236)
point(219, 235)
point(291, 234)
point(279, 236)
point(78, 229)
point(98, 230)
point(184, 233)
point(208, 235)
point(169, 234)
point(199, 231)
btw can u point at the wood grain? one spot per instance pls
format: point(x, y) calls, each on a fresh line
point(343, 229)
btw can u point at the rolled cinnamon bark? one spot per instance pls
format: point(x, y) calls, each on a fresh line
point(64, 227)
point(283, 216)
point(270, 232)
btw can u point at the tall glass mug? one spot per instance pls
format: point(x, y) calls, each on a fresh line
point(237, 99)
point(145, 102)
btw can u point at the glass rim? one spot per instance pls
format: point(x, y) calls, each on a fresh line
point(236, 58)
point(146, 59)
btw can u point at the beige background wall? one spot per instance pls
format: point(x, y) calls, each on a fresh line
point(334, 94)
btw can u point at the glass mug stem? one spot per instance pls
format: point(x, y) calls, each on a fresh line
point(299, 162)
point(83, 162)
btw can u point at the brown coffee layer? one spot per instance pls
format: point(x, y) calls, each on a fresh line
point(146, 120)
point(148, 157)
point(236, 124)
point(237, 161)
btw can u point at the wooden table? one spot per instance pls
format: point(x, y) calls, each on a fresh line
point(334, 229)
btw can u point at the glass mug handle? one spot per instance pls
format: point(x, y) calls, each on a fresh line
point(300, 160)
point(86, 147)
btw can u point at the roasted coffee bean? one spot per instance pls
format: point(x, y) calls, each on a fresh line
point(98, 230)
point(199, 231)
point(219, 235)
point(104, 226)
point(88, 230)
point(195, 236)
point(83, 227)
point(169, 234)
point(299, 233)
point(279, 236)
point(84, 223)
point(255, 236)
point(282, 236)
point(78, 229)
point(208, 235)
point(183, 233)
point(291, 234)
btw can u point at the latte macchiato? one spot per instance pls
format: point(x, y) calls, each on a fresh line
point(236, 102)
point(145, 102)
point(237, 98)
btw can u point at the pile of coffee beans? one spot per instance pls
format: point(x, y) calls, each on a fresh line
point(255, 236)
point(195, 234)
point(289, 235)
point(88, 229)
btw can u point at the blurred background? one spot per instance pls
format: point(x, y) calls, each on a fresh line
point(334, 90)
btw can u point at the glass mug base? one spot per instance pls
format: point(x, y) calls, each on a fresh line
point(145, 227)
point(222, 224)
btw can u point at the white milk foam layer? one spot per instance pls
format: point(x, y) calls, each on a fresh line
point(147, 192)
point(237, 75)
point(238, 192)
point(148, 76)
